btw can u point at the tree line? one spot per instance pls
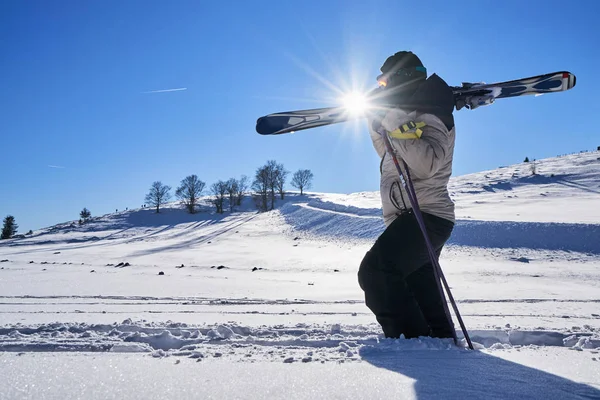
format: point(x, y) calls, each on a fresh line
point(268, 185)
point(265, 188)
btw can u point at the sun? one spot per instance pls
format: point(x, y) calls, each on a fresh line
point(355, 103)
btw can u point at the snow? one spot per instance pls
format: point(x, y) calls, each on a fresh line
point(267, 305)
point(386, 374)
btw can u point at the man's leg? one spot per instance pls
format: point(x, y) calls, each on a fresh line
point(382, 278)
point(423, 285)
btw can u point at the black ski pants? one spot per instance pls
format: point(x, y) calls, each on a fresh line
point(397, 277)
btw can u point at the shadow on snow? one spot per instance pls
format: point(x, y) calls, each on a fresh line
point(466, 374)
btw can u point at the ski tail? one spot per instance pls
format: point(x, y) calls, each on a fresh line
point(548, 83)
point(474, 95)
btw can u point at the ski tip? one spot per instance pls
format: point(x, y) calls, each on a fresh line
point(260, 126)
point(263, 126)
point(275, 124)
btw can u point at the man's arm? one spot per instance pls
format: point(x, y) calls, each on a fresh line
point(426, 154)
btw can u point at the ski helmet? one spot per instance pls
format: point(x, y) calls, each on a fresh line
point(402, 68)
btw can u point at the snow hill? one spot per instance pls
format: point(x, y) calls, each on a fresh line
point(138, 304)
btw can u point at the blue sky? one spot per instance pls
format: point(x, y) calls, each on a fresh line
point(80, 125)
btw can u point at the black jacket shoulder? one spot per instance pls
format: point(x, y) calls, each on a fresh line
point(434, 96)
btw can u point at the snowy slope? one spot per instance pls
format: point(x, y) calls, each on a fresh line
point(276, 293)
point(564, 189)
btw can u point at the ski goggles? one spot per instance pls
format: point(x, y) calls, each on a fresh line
point(402, 73)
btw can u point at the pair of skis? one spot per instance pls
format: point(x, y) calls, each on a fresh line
point(470, 96)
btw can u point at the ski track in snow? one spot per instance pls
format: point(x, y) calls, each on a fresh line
point(303, 342)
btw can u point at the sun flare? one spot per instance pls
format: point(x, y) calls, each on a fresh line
point(355, 103)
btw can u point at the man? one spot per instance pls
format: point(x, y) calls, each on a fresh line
point(396, 274)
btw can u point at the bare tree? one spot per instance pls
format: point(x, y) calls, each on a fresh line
point(260, 186)
point(232, 189)
point(280, 177)
point(9, 229)
point(268, 180)
point(277, 179)
point(302, 179)
point(159, 195)
point(242, 187)
point(272, 169)
point(189, 192)
point(219, 190)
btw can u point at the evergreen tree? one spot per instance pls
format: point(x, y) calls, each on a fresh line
point(9, 229)
point(85, 214)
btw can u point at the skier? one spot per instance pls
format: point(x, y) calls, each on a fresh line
point(396, 274)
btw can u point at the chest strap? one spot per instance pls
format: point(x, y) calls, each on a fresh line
point(409, 130)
